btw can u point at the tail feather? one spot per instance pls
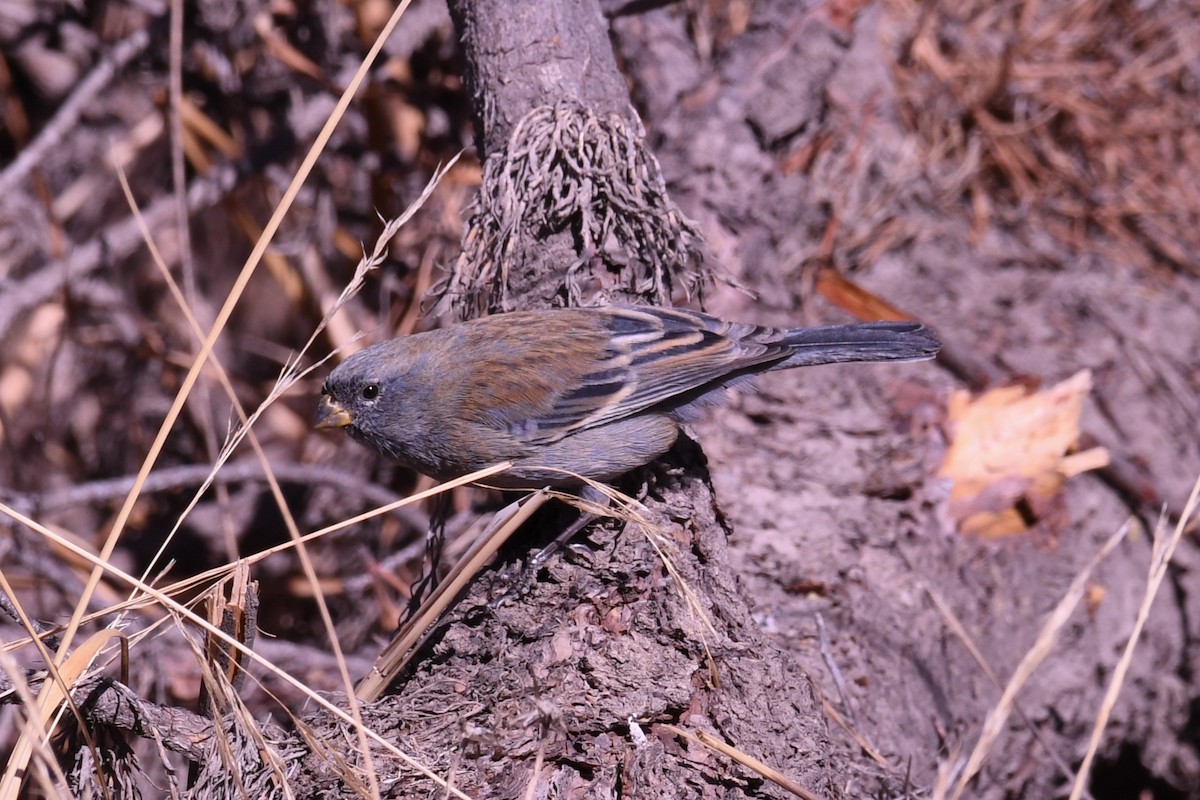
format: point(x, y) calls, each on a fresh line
point(866, 341)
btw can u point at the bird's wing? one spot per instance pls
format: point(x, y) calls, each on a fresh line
point(652, 357)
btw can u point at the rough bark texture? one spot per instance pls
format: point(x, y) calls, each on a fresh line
point(521, 55)
point(600, 645)
point(573, 210)
point(604, 641)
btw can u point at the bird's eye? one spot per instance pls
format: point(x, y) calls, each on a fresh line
point(325, 387)
point(370, 391)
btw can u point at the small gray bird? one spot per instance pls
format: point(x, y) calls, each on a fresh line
point(593, 391)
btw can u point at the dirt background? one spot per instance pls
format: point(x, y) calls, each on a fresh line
point(1023, 177)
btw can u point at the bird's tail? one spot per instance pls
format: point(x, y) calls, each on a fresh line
point(866, 341)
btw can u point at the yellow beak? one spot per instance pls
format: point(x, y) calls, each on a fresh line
point(330, 414)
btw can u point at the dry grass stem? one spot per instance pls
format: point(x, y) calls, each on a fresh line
point(1072, 113)
point(407, 640)
point(185, 613)
point(1160, 560)
point(749, 762)
point(1037, 653)
point(968, 641)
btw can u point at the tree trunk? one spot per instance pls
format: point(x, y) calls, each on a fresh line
point(650, 626)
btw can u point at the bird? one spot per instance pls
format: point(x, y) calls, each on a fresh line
point(565, 393)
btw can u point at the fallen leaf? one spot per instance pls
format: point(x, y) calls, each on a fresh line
point(1010, 453)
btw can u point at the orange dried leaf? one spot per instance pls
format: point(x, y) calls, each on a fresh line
point(854, 299)
point(1010, 454)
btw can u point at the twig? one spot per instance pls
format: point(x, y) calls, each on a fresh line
point(68, 113)
point(6, 605)
point(116, 242)
point(193, 474)
point(745, 759)
point(107, 702)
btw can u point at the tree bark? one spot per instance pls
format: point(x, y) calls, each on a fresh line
point(573, 209)
point(651, 626)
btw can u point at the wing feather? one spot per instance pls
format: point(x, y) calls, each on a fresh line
point(653, 357)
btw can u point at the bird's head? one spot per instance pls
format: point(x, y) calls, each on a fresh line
point(371, 396)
